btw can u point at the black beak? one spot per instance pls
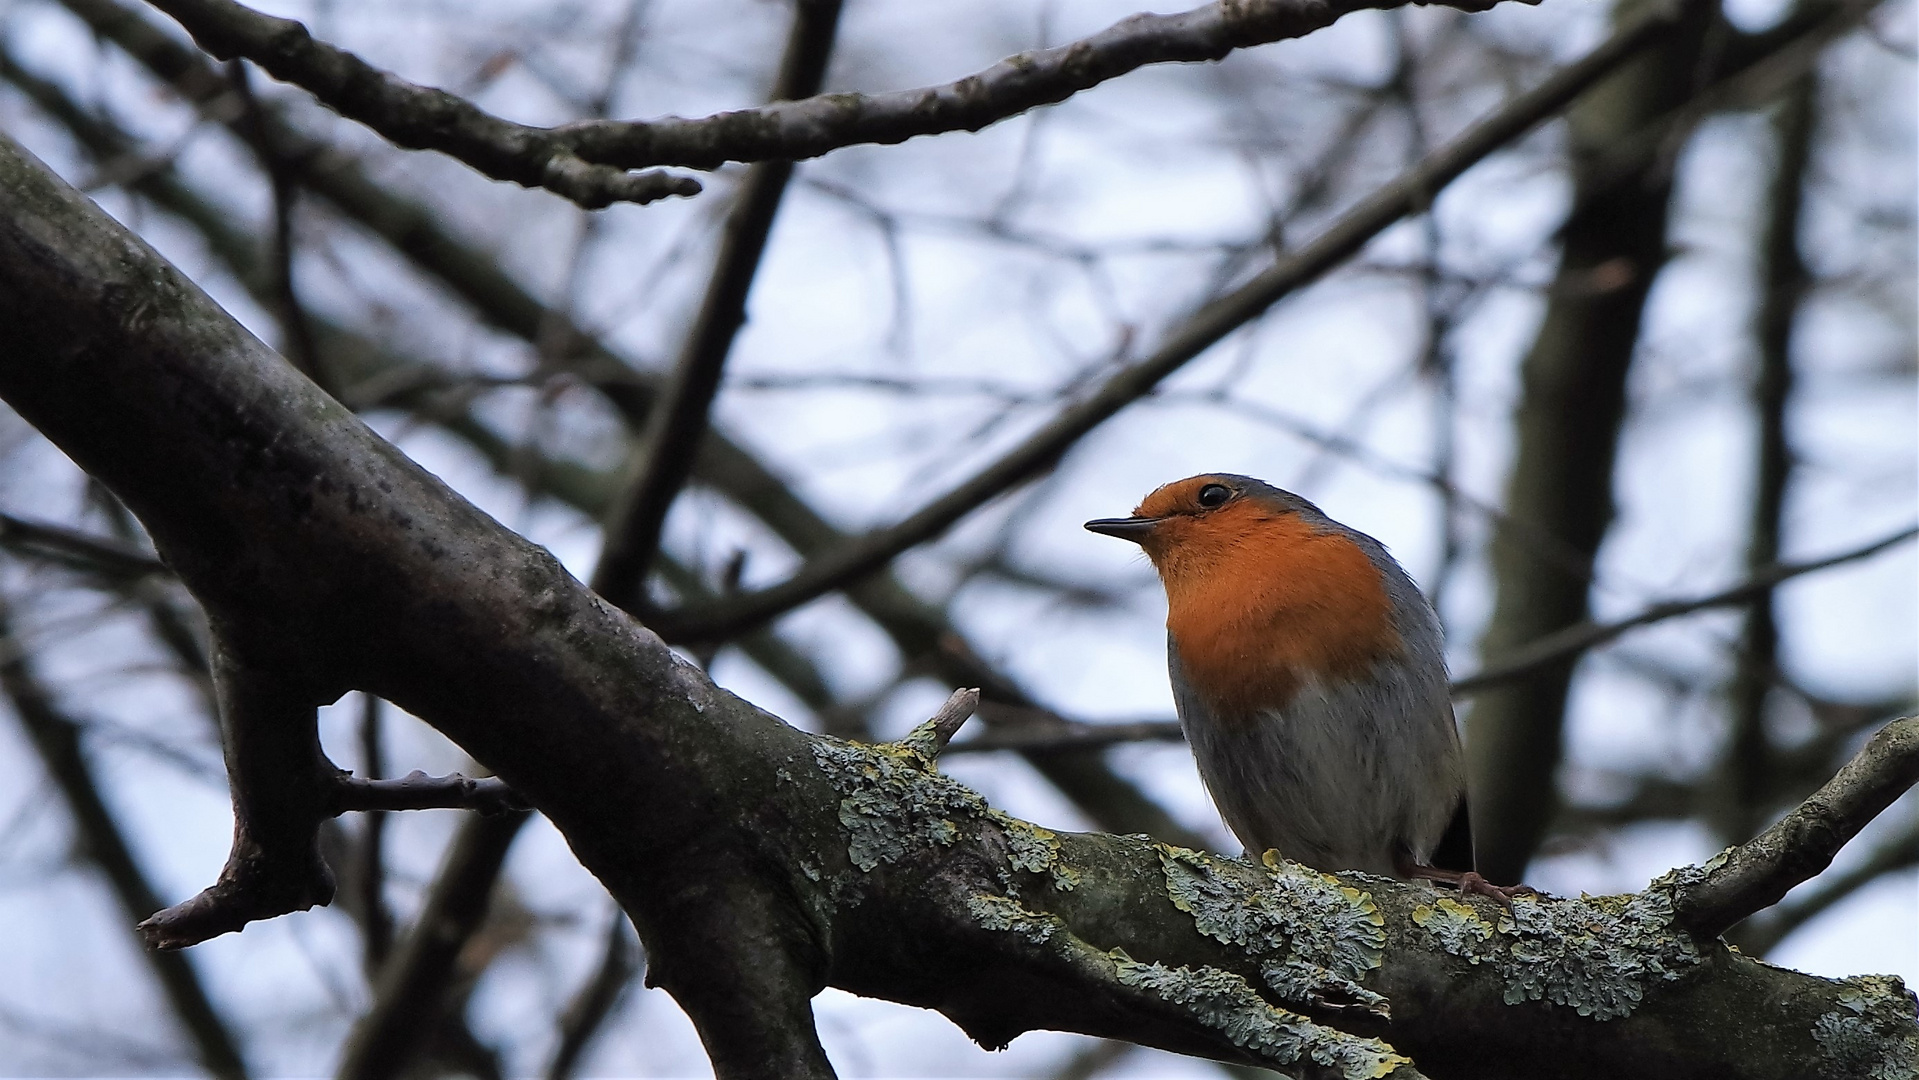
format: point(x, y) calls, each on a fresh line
point(1136, 529)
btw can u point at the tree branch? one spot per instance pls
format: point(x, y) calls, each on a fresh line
point(1756, 874)
point(588, 161)
point(416, 117)
point(1565, 645)
point(1413, 191)
point(418, 791)
point(760, 863)
point(279, 777)
point(1761, 934)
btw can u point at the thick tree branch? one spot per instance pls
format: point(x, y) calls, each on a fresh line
point(761, 863)
point(1410, 193)
point(1755, 875)
point(1759, 935)
point(1564, 646)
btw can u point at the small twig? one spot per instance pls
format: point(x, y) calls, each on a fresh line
point(418, 791)
point(297, 343)
point(931, 737)
point(278, 777)
point(1564, 645)
point(1754, 875)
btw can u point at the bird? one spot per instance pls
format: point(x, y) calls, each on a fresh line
point(1310, 679)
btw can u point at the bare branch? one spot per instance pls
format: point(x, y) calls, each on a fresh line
point(587, 161)
point(1756, 874)
point(418, 791)
point(1762, 933)
point(1411, 192)
point(415, 117)
point(376, 918)
point(1563, 646)
point(279, 777)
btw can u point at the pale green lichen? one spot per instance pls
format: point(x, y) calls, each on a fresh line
point(1003, 913)
point(1595, 954)
point(1228, 1004)
point(1214, 998)
point(1872, 1036)
point(1313, 937)
point(1033, 850)
point(1455, 926)
point(893, 802)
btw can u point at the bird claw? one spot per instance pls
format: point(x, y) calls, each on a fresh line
point(1470, 884)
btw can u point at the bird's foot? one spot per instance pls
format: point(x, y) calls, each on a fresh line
point(1469, 883)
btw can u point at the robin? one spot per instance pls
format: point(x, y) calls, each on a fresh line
point(1310, 681)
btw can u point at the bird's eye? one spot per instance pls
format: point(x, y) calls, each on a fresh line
point(1213, 495)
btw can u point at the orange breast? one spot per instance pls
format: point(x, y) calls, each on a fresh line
point(1260, 601)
